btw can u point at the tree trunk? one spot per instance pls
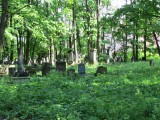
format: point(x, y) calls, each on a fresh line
point(12, 43)
point(126, 45)
point(20, 53)
point(133, 47)
point(33, 50)
point(88, 25)
point(50, 51)
point(136, 47)
point(12, 53)
point(156, 39)
point(74, 32)
point(98, 27)
point(27, 46)
point(78, 39)
point(145, 45)
point(4, 19)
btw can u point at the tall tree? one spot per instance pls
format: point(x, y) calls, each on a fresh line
point(4, 19)
point(98, 25)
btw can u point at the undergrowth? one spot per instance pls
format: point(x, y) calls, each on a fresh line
point(129, 91)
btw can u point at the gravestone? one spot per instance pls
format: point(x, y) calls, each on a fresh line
point(93, 56)
point(70, 72)
point(151, 62)
point(12, 70)
point(61, 66)
point(81, 69)
point(31, 71)
point(70, 58)
point(101, 70)
point(46, 67)
point(22, 74)
point(108, 55)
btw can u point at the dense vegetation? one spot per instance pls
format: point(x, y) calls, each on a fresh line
point(52, 28)
point(130, 91)
point(46, 31)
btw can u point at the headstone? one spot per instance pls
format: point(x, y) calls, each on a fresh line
point(70, 72)
point(12, 70)
point(93, 56)
point(81, 69)
point(70, 58)
point(61, 66)
point(23, 74)
point(151, 62)
point(46, 67)
point(32, 71)
point(101, 70)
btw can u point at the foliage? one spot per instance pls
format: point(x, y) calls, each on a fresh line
point(127, 92)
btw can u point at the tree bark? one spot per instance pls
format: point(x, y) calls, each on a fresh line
point(133, 47)
point(145, 45)
point(78, 39)
point(156, 39)
point(98, 27)
point(27, 46)
point(4, 19)
point(20, 53)
point(74, 32)
point(137, 47)
point(88, 25)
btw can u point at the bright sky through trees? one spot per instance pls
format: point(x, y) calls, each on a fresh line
point(117, 3)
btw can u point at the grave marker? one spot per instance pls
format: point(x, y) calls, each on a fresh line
point(46, 68)
point(61, 66)
point(81, 69)
point(12, 70)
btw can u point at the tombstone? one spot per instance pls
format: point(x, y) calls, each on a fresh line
point(12, 70)
point(101, 70)
point(46, 67)
point(23, 74)
point(93, 56)
point(61, 66)
point(81, 69)
point(70, 58)
point(70, 71)
point(31, 71)
point(109, 58)
point(151, 62)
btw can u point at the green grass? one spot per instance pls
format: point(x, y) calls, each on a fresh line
point(130, 91)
